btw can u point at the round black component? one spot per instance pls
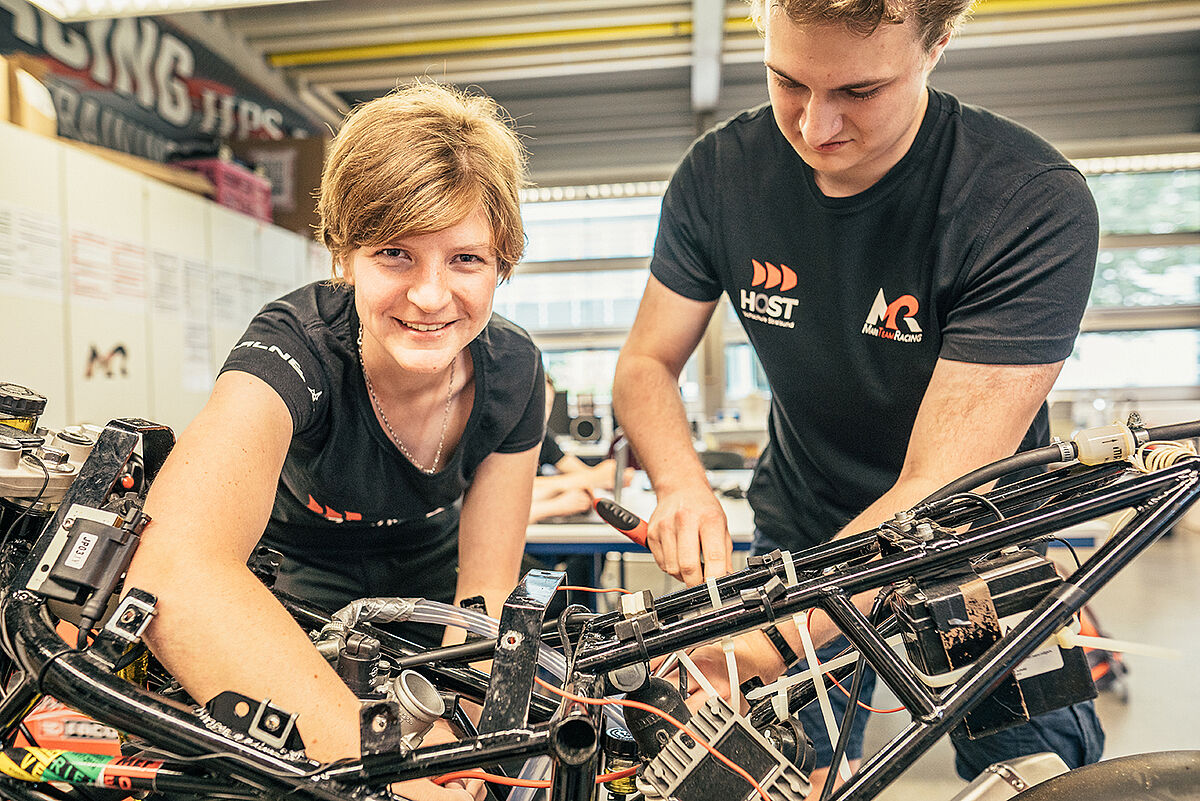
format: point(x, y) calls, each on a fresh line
point(619, 742)
point(20, 401)
point(789, 737)
point(649, 730)
point(29, 520)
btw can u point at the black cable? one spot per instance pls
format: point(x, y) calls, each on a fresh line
point(839, 751)
point(45, 483)
point(41, 674)
point(568, 651)
point(1177, 431)
point(979, 499)
point(1070, 548)
point(27, 734)
point(129, 657)
point(1047, 455)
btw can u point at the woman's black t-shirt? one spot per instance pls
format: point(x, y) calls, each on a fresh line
point(352, 515)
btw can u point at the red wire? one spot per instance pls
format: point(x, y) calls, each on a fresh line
point(817, 663)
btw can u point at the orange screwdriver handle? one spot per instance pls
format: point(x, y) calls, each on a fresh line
point(622, 520)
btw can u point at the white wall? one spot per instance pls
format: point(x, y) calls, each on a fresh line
point(156, 281)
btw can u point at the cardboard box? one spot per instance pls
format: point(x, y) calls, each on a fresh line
point(294, 169)
point(26, 102)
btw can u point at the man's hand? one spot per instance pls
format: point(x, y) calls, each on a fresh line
point(689, 526)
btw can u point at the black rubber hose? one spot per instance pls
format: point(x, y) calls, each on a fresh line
point(1176, 431)
point(989, 472)
point(1048, 454)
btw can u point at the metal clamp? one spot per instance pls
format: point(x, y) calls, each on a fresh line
point(132, 615)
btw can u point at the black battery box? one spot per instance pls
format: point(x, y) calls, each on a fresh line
point(949, 622)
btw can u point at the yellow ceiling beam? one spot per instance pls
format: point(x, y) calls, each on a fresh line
point(986, 7)
point(511, 41)
point(612, 33)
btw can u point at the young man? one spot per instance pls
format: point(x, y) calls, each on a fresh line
point(911, 272)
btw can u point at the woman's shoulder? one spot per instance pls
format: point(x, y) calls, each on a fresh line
point(505, 339)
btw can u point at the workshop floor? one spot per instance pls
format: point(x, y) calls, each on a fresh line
point(1156, 600)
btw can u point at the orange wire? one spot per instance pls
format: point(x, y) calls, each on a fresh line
point(593, 589)
point(817, 663)
point(656, 711)
point(509, 782)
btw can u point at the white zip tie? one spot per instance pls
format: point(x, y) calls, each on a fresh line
point(779, 703)
point(789, 568)
point(714, 597)
point(786, 682)
point(1069, 639)
point(726, 646)
point(735, 691)
point(695, 673)
point(831, 725)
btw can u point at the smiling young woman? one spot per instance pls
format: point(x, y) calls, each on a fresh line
point(380, 429)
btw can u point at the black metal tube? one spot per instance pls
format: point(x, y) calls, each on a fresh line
point(736, 617)
point(839, 751)
point(575, 746)
point(899, 679)
point(443, 758)
point(730, 586)
point(1039, 624)
point(22, 698)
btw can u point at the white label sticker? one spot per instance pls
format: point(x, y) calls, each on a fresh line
point(1046, 658)
point(79, 553)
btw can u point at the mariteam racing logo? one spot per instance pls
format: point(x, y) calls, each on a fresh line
point(883, 317)
point(767, 307)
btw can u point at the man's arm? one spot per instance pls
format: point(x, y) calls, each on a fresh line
point(971, 415)
point(688, 524)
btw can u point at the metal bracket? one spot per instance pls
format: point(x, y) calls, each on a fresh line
point(514, 665)
point(379, 727)
point(271, 725)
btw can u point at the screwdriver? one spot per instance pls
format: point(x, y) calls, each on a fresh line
point(622, 520)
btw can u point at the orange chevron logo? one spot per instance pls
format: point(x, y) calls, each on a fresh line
point(331, 514)
point(768, 276)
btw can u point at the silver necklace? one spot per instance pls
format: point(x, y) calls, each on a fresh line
point(429, 471)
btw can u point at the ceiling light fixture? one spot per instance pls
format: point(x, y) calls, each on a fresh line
point(82, 10)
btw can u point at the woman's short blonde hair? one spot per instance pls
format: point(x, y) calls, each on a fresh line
point(419, 160)
point(934, 19)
